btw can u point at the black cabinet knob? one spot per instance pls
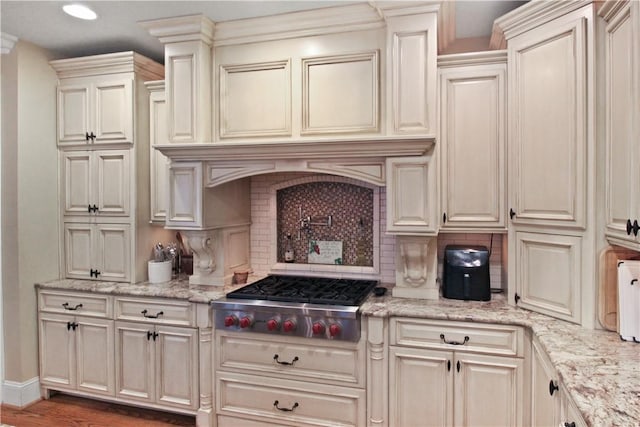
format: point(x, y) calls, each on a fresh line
point(512, 213)
point(635, 227)
point(552, 387)
point(629, 227)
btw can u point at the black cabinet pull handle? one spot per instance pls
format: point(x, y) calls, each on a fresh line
point(458, 366)
point(516, 298)
point(66, 306)
point(151, 316)
point(512, 213)
point(571, 424)
point(466, 340)
point(635, 228)
point(94, 273)
point(90, 136)
point(74, 325)
point(633, 282)
point(629, 227)
point(149, 335)
point(155, 335)
point(552, 387)
point(295, 405)
point(275, 357)
point(69, 326)
point(444, 217)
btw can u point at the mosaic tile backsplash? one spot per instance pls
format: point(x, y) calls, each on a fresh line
point(351, 210)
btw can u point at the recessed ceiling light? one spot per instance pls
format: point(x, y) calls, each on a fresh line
point(79, 11)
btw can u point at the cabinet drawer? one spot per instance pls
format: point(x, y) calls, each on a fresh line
point(82, 304)
point(335, 363)
point(300, 403)
point(159, 311)
point(459, 336)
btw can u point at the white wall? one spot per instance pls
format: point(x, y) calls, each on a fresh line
point(29, 208)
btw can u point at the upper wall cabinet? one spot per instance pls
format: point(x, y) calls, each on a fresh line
point(622, 117)
point(472, 141)
point(158, 162)
point(95, 110)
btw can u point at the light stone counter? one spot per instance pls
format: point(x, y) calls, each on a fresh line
point(600, 372)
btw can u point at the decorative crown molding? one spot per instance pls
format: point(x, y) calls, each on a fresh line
point(155, 85)
point(121, 62)
point(181, 29)
point(473, 58)
point(610, 8)
point(8, 41)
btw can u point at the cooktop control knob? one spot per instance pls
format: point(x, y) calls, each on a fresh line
point(273, 325)
point(230, 320)
point(289, 325)
point(318, 328)
point(246, 322)
point(334, 329)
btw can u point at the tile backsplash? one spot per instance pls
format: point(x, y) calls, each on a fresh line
point(267, 234)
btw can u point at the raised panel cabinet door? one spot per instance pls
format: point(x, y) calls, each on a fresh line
point(94, 355)
point(113, 111)
point(411, 66)
point(73, 113)
point(78, 250)
point(420, 387)
point(112, 252)
point(77, 176)
point(159, 135)
point(135, 361)
point(411, 195)
point(177, 367)
point(472, 110)
point(185, 195)
point(545, 407)
point(621, 146)
point(113, 185)
point(548, 274)
point(57, 351)
point(488, 390)
point(548, 122)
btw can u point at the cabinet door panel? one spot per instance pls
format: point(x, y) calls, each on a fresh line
point(177, 367)
point(113, 111)
point(159, 135)
point(545, 408)
point(185, 187)
point(113, 183)
point(73, 114)
point(77, 176)
point(95, 364)
point(113, 252)
point(57, 351)
point(488, 391)
point(420, 387)
point(135, 361)
point(78, 249)
point(548, 274)
point(619, 125)
point(472, 135)
point(548, 123)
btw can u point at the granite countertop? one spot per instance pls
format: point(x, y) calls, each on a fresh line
point(600, 372)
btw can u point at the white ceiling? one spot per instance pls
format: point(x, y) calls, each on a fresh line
point(45, 24)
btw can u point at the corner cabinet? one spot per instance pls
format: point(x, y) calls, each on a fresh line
point(472, 137)
point(552, 171)
point(412, 195)
point(450, 366)
point(103, 141)
point(622, 122)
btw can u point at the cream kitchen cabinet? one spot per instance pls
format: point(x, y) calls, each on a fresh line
point(412, 195)
point(95, 110)
point(157, 364)
point(96, 183)
point(97, 251)
point(622, 118)
point(472, 141)
point(76, 343)
point(158, 162)
point(551, 161)
point(451, 365)
point(103, 182)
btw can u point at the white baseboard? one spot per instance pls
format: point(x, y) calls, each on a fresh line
point(21, 394)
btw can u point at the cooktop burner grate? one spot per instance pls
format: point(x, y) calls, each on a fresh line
point(315, 290)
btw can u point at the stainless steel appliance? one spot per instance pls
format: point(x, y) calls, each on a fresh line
point(311, 307)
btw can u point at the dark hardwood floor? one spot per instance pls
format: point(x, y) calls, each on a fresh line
point(64, 410)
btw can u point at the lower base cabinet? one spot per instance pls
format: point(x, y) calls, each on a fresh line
point(156, 364)
point(454, 388)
